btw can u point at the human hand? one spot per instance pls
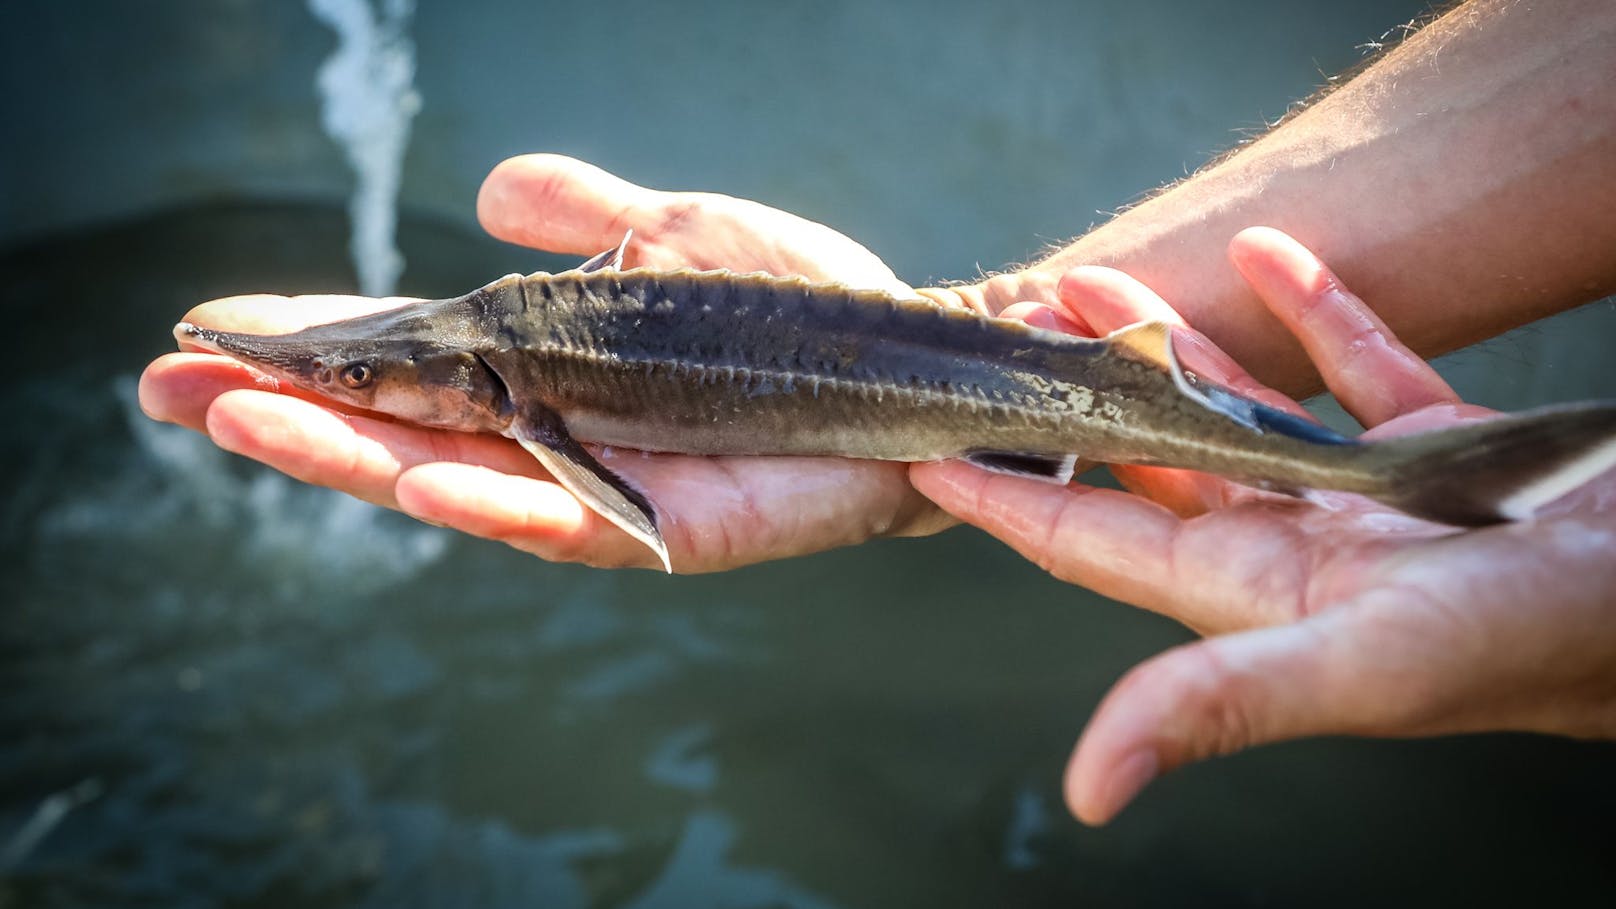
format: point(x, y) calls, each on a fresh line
point(1341, 619)
point(717, 512)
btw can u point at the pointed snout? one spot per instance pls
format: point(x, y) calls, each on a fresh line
point(256, 349)
point(289, 355)
point(197, 336)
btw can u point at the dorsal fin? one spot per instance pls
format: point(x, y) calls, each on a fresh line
point(611, 259)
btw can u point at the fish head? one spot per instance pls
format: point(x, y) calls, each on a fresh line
point(419, 373)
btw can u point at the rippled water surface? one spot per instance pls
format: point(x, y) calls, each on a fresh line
point(222, 687)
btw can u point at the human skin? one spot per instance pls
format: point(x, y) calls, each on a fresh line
point(1464, 182)
point(1346, 619)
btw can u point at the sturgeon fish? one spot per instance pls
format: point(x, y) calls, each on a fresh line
point(719, 363)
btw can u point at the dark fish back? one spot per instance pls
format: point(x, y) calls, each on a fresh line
point(788, 327)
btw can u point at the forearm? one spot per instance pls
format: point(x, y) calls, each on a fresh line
point(1464, 184)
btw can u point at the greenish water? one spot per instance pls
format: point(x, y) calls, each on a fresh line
point(273, 695)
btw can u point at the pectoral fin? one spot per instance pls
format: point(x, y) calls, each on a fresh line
point(604, 492)
point(1152, 342)
point(611, 258)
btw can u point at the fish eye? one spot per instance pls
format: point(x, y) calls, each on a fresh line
point(357, 375)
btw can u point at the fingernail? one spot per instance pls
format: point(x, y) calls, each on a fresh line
point(1130, 775)
point(1035, 314)
point(1071, 326)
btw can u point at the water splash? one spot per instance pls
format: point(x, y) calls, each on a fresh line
point(367, 100)
point(195, 504)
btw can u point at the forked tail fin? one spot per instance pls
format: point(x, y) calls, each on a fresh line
point(1497, 470)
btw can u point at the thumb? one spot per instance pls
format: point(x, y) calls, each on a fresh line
point(563, 205)
point(1360, 668)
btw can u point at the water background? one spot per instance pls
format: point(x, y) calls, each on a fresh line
point(268, 694)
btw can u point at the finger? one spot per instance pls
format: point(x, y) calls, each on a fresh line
point(1133, 549)
point(1048, 318)
point(1373, 374)
point(1438, 416)
point(562, 204)
point(1376, 667)
point(385, 463)
point(1185, 493)
point(268, 314)
point(532, 515)
point(178, 388)
point(565, 205)
point(1109, 299)
point(358, 455)
point(1111, 542)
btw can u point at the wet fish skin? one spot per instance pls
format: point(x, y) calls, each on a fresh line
point(716, 363)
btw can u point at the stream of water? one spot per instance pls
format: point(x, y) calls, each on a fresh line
point(367, 100)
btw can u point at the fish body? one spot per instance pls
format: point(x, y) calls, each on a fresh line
point(717, 363)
